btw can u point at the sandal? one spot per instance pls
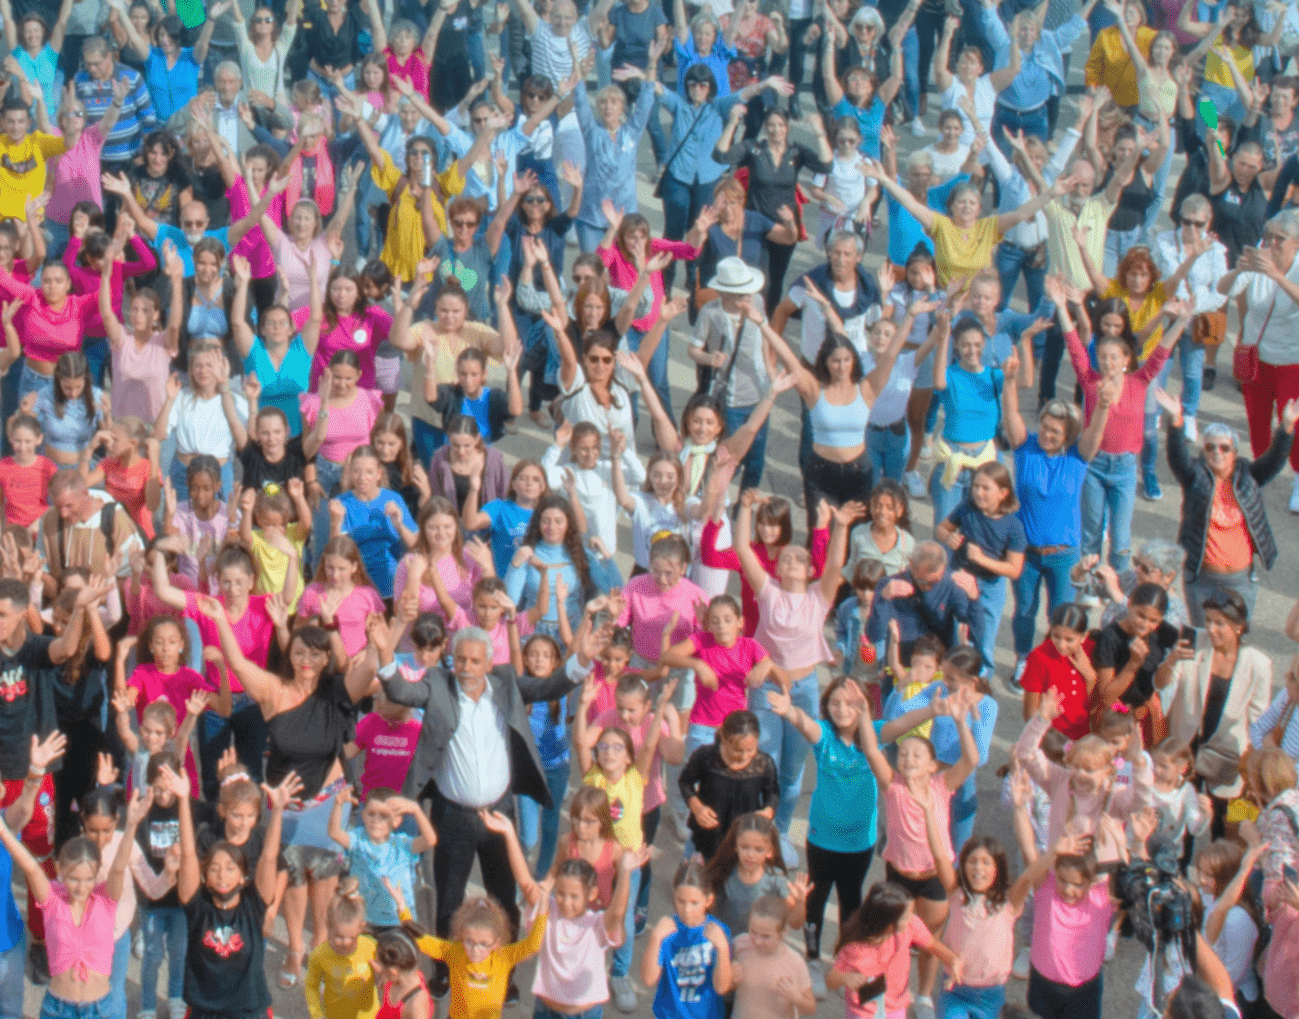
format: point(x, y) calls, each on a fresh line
point(289, 974)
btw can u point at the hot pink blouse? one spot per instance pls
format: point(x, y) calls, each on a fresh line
point(622, 273)
point(46, 334)
point(85, 949)
point(253, 245)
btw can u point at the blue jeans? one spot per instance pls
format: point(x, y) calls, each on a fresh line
point(57, 236)
point(1159, 186)
point(622, 954)
point(1150, 427)
point(1191, 355)
point(657, 369)
point(783, 743)
point(947, 499)
point(699, 736)
point(992, 599)
point(1005, 119)
point(911, 76)
point(681, 205)
point(589, 235)
point(755, 459)
point(965, 804)
point(541, 1011)
point(658, 140)
point(179, 475)
point(536, 820)
point(328, 474)
point(1011, 261)
point(96, 350)
point(477, 54)
point(1054, 571)
point(888, 452)
point(165, 935)
point(1118, 243)
point(12, 963)
point(972, 1002)
point(117, 979)
point(58, 1008)
point(1110, 485)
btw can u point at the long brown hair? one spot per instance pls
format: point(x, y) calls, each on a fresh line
point(727, 857)
point(439, 505)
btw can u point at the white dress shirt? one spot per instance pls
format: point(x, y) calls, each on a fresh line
point(475, 771)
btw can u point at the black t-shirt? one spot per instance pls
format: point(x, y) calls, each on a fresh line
point(27, 702)
point(212, 832)
point(79, 699)
point(158, 832)
point(259, 472)
point(1238, 218)
point(1112, 652)
point(210, 189)
point(225, 963)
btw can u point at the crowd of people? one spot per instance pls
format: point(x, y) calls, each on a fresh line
point(280, 646)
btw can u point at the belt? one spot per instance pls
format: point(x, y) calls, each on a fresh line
point(1045, 550)
point(1020, 247)
point(898, 427)
point(1022, 113)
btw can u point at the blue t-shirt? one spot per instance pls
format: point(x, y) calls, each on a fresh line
point(1050, 494)
point(477, 409)
point(381, 546)
point(685, 989)
point(972, 403)
point(843, 815)
point(167, 232)
point(371, 862)
point(170, 88)
point(509, 525)
point(281, 386)
point(11, 922)
point(870, 119)
point(905, 231)
point(995, 535)
point(550, 734)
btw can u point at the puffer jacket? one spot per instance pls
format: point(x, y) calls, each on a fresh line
point(1247, 481)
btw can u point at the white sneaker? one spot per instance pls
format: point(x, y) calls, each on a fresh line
point(917, 128)
point(1111, 943)
point(1294, 496)
point(915, 484)
point(678, 826)
point(623, 996)
point(816, 970)
point(924, 1007)
point(1023, 961)
point(1190, 429)
point(927, 449)
point(176, 1008)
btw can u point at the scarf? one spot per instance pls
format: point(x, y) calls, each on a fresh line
point(695, 461)
point(324, 195)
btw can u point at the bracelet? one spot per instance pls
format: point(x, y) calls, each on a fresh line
point(35, 772)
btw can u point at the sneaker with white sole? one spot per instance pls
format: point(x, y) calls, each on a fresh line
point(917, 128)
point(1294, 496)
point(1013, 684)
point(816, 970)
point(927, 448)
point(176, 1008)
point(1023, 962)
point(924, 1006)
point(1189, 428)
point(623, 995)
point(915, 484)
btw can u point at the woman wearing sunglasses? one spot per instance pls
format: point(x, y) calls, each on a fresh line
point(1224, 519)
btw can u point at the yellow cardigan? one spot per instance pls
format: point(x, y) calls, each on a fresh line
point(1109, 63)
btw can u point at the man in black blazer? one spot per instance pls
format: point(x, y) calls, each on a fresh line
point(475, 753)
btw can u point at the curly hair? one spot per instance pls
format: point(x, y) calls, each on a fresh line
point(572, 538)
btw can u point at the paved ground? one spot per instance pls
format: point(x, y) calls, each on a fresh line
point(782, 477)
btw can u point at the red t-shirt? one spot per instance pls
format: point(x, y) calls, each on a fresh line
point(24, 489)
point(127, 485)
point(254, 631)
point(1047, 668)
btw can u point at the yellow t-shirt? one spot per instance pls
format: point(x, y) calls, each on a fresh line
point(924, 728)
point(273, 565)
point(1216, 71)
point(478, 992)
point(405, 244)
point(963, 252)
point(22, 170)
point(626, 801)
point(1141, 315)
point(342, 986)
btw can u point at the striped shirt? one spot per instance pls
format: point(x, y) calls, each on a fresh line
point(1270, 719)
point(550, 52)
point(136, 120)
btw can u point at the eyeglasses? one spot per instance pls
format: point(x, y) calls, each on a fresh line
point(607, 747)
point(468, 224)
point(1201, 223)
point(1218, 447)
point(535, 200)
point(192, 222)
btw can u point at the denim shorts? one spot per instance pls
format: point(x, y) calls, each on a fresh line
point(57, 1008)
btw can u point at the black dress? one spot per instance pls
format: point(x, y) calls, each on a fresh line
point(309, 738)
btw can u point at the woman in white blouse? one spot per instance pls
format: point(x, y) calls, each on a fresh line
point(970, 81)
point(263, 46)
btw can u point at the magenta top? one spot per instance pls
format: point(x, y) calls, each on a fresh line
point(86, 281)
point(253, 245)
point(47, 333)
point(1125, 427)
point(83, 949)
point(361, 333)
point(623, 274)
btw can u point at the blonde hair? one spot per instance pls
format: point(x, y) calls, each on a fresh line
point(1089, 747)
point(483, 913)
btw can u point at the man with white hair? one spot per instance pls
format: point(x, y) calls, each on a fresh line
point(230, 112)
point(475, 752)
point(925, 598)
point(94, 87)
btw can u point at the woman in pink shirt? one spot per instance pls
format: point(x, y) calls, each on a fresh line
point(143, 352)
point(791, 626)
point(87, 258)
point(74, 176)
point(441, 548)
point(51, 322)
point(1111, 482)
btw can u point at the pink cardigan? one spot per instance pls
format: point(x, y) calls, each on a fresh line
point(1126, 424)
point(622, 273)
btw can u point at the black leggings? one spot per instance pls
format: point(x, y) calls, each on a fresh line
point(649, 827)
point(929, 29)
point(844, 871)
point(1060, 1001)
point(778, 258)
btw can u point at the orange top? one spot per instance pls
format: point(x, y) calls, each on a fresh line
point(1227, 546)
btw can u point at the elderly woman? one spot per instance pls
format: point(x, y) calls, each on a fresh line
point(970, 88)
point(963, 242)
point(1200, 288)
point(1157, 561)
point(1224, 519)
point(1219, 693)
point(1271, 331)
point(738, 233)
point(264, 45)
point(611, 145)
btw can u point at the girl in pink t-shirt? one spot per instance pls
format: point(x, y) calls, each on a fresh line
point(873, 956)
point(338, 417)
point(571, 962)
point(441, 549)
point(916, 782)
point(608, 671)
point(660, 606)
point(341, 594)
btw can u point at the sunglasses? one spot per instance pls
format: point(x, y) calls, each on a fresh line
point(535, 200)
point(1220, 447)
point(466, 223)
point(263, 21)
point(1201, 223)
point(192, 222)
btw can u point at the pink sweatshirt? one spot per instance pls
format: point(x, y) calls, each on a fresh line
point(46, 333)
point(86, 281)
point(1119, 802)
point(622, 273)
point(649, 611)
point(1125, 426)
